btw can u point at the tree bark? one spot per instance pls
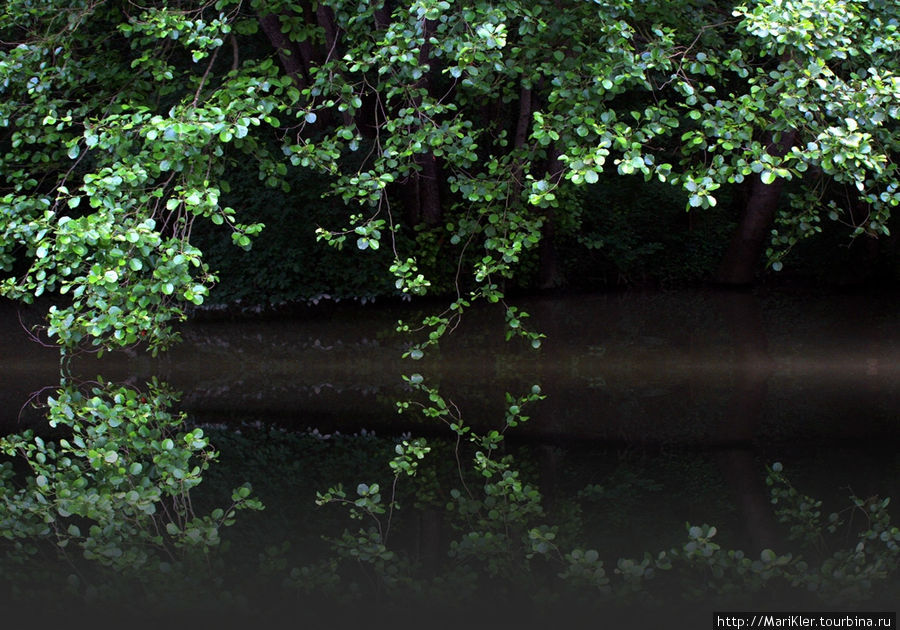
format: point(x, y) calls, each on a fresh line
point(423, 191)
point(325, 18)
point(382, 18)
point(550, 274)
point(288, 51)
point(741, 260)
point(524, 121)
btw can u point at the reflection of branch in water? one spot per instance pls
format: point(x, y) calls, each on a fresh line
point(33, 396)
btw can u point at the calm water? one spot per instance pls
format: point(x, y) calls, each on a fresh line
point(661, 408)
point(693, 369)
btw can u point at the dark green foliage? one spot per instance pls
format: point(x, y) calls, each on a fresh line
point(449, 139)
point(287, 263)
point(109, 499)
point(624, 231)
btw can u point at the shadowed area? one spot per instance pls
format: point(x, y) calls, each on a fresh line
point(697, 368)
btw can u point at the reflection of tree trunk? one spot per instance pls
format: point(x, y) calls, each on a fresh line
point(550, 459)
point(753, 368)
point(743, 473)
point(742, 257)
point(429, 541)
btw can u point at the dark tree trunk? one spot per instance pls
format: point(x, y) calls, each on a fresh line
point(308, 52)
point(423, 190)
point(325, 18)
point(550, 274)
point(382, 18)
point(524, 121)
point(429, 190)
point(412, 213)
point(523, 124)
point(741, 260)
point(423, 194)
point(288, 52)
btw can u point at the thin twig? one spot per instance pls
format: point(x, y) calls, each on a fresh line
point(209, 66)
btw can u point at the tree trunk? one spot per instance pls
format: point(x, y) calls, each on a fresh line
point(741, 260)
point(423, 190)
point(325, 18)
point(550, 274)
point(288, 52)
point(429, 189)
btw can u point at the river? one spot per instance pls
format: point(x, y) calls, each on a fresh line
point(661, 407)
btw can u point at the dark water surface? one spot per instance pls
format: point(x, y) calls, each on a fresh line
point(662, 408)
point(661, 368)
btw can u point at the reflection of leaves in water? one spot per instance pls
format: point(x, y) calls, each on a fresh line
point(619, 501)
point(622, 484)
point(108, 493)
point(506, 534)
point(491, 548)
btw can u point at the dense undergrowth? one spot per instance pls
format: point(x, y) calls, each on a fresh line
point(628, 234)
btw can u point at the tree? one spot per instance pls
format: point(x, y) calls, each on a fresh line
point(479, 120)
point(807, 95)
point(120, 125)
